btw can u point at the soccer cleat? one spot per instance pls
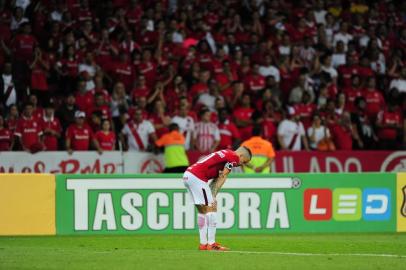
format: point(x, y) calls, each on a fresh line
point(202, 247)
point(217, 247)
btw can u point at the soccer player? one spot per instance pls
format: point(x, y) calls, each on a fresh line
point(215, 166)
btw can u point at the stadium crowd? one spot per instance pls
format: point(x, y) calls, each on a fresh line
point(103, 75)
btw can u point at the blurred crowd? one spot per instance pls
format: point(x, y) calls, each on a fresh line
point(321, 75)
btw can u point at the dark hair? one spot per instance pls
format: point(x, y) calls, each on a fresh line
point(257, 130)
point(203, 111)
point(173, 126)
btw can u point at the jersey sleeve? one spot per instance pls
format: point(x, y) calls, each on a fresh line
point(232, 160)
point(162, 141)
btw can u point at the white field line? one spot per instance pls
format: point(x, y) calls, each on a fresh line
point(303, 254)
point(318, 254)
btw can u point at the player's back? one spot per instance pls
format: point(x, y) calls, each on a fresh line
point(208, 167)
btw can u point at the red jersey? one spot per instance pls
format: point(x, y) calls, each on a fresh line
point(51, 141)
point(29, 130)
point(84, 101)
point(388, 119)
point(346, 73)
point(23, 47)
point(351, 94)
point(228, 132)
point(375, 102)
point(254, 83)
point(124, 73)
point(69, 65)
point(107, 141)
point(5, 139)
point(208, 167)
point(244, 114)
point(342, 137)
point(80, 137)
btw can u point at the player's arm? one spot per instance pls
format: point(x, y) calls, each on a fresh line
point(218, 182)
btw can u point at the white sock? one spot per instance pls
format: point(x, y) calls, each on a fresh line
point(212, 223)
point(202, 224)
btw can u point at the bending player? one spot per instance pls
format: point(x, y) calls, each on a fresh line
point(215, 166)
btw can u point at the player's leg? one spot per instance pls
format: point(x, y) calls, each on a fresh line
point(211, 229)
point(201, 196)
point(202, 225)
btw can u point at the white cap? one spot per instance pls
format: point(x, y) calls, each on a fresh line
point(79, 114)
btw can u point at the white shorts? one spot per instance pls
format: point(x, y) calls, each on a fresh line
point(199, 190)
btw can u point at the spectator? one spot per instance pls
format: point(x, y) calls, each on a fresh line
point(344, 133)
point(374, 99)
point(305, 109)
point(229, 134)
point(6, 137)
point(120, 101)
point(254, 82)
point(67, 68)
point(100, 105)
point(262, 151)
point(317, 133)
point(78, 135)
point(400, 83)
point(176, 160)
point(66, 112)
point(363, 124)
point(137, 134)
point(339, 56)
point(242, 116)
point(159, 118)
point(88, 69)
point(389, 124)
point(296, 95)
point(52, 128)
point(352, 93)
point(326, 66)
point(206, 136)
point(29, 131)
point(105, 137)
point(268, 69)
point(208, 99)
point(39, 68)
point(141, 88)
point(98, 89)
point(12, 118)
point(8, 92)
point(186, 124)
point(82, 99)
point(291, 133)
point(342, 35)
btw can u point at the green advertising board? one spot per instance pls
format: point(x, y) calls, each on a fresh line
point(131, 204)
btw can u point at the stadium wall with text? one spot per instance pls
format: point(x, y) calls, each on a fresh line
point(125, 204)
point(34, 204)
point(116, 162)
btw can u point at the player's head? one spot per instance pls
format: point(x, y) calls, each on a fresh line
point(244, 154)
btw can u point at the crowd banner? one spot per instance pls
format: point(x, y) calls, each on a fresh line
point(62, 162)
point(27, 204)
point(139, 162)
point(117, 162)
point(151, 203)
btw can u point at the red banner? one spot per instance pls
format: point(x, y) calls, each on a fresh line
point(338, 161)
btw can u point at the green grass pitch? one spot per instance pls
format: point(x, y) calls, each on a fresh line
point(292, 251)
